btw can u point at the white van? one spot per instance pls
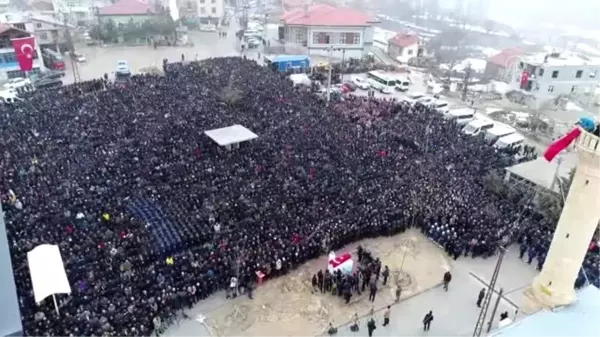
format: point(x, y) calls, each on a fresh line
point(462, 116)
point(413, 97)
point(8, 97)
point(402, 84)
point(251, 32)
point(509, 142)
point(498, 131)
point(478, 126)
point(440, 106)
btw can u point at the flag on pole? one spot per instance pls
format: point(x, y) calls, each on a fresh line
point(559, 145)
point(24, 50)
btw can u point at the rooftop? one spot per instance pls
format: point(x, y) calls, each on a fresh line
point(325, 15)
point(577, 319)
point(404, 40)
point(128, 7)
point(541, 172)
point(506, 57)
point(560, 59)
point(230, 135)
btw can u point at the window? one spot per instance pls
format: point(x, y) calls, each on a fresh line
point(189, 5)
point(38, 25)
point(593, 74)
point(410, 52)
point(573, 88)
point(19, 73)
point(550, 88)
point(578, 74)
point(555, 74)
point(349, 38)
point(541, 72)
point(20, 26)
point(202, 10)
point(321, 38)
point(44, 36)
point(298, 36)
point(10, 57)
point(214, 10)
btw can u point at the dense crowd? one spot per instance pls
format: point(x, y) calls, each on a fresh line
point(151, 216)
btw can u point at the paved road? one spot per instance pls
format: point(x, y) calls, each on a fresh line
point(455, 312)
point(102, 60)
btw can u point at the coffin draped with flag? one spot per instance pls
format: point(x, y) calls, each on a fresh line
point(24, 50)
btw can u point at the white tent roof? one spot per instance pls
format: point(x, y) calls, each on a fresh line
point(230, 135)
point(48, 275)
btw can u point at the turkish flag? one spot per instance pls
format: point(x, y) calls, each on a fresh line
point(24, 49)
point(524, 79)
point(561, 144)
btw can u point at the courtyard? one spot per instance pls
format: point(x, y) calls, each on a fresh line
point(287, 307)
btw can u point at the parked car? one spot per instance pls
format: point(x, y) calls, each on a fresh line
point(342, 88)
point(350, 86)
point(78, 57)
point(361, 83)
point(123, 68)
point(17, 82)
point(253, 42)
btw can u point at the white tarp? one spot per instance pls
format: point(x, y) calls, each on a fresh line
point(48, 275)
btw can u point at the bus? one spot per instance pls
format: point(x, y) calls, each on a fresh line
point(380, 81)
point(53, 60)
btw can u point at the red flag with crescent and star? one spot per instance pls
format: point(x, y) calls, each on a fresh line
point(24, 49)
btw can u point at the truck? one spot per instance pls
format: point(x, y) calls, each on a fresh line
point(298, 63)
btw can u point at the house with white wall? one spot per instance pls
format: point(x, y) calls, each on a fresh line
point(403, 47)
point(328, 31)
point(206, 11)
point(546, 76)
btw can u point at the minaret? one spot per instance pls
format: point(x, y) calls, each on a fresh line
point(554, 286)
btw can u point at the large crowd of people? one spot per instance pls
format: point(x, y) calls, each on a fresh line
point(151, 216)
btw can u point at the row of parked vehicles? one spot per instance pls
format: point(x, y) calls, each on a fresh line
point(500, 135)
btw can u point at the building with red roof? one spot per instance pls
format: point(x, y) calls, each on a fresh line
point(326, 30)
point(125, 10)
point(403, 47)
point(498, 65)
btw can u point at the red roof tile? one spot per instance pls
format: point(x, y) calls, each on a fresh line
point(404, 40)
point(324, 15)
point(506, 57)
point(128, 7)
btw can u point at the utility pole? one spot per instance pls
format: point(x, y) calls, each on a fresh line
point(74, 65)
point(556, 177)
point(244, 21)
point(329, 51)
point(489, 328)
point(488, 295)
point(466, 82)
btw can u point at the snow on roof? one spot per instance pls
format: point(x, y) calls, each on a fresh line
point(563, 59)
point(230, 135)
point(128, 7)
point(325, 15)
point(404, 40)
point(506, 57)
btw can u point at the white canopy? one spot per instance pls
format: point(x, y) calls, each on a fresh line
point(48, 275)
point(230, 135)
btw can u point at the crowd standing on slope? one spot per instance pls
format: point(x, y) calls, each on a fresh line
point(152, 217)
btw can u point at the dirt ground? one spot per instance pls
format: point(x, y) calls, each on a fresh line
point(286, 306)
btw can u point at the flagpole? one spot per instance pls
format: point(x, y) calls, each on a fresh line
point(55, 304)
